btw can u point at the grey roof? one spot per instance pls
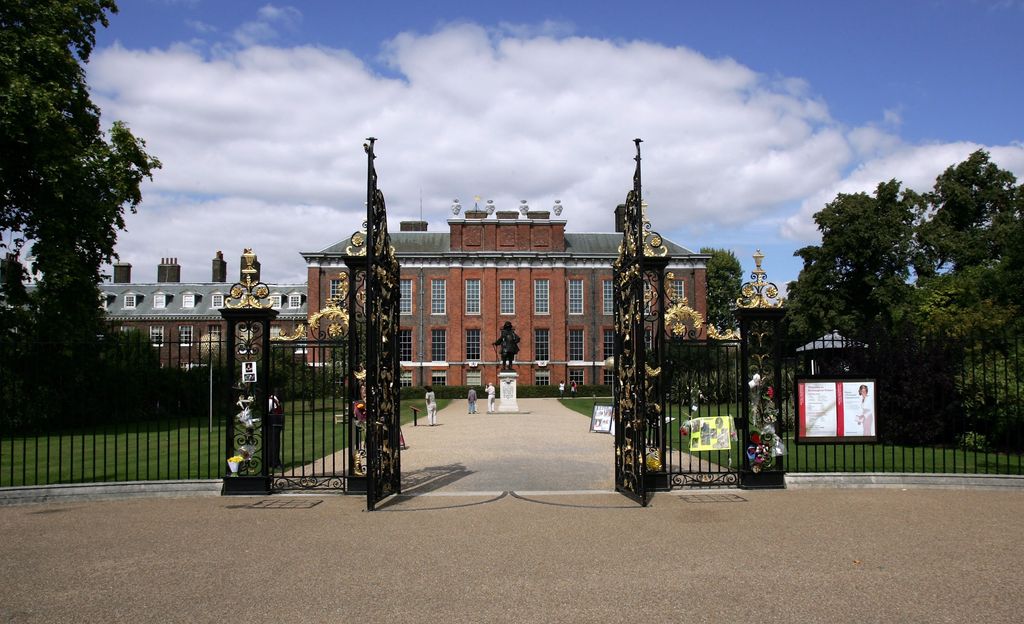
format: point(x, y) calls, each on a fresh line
point(576, 243)
point(113, 295)
point(831, 340)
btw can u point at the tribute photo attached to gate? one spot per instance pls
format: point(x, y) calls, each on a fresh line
point(248, 372)
point(711, 434)
point(601, 419)
point(835, 410)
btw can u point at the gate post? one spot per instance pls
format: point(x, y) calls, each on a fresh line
point(246, 426)
point(759, 311)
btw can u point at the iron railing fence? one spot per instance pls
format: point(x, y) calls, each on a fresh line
point(125, 409)
point(119, 409)
point(310, 378)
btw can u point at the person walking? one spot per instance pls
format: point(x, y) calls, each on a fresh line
point(276, 411)
point(561, 389)
point(572, 389)
point(490, 398)
point(431, 406)
point(472, 400)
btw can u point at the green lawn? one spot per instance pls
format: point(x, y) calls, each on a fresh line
point(178, 449)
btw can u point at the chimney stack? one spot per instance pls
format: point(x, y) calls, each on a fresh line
point(220, 269)
point(620, 218)
point(122, 273)
point(412, 226)
point(168, 272)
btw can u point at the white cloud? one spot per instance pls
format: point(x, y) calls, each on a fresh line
point(472, 112)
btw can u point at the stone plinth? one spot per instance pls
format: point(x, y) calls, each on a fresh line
point(507, 391)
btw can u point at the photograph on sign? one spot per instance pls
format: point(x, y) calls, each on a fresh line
point(601, 419)
point(248, 372)
point(835, 410)
point(710, 434)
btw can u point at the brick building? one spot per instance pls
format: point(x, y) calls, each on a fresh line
point(178, 314)
point(459, 287)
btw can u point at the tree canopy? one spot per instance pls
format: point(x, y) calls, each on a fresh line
point(949, 259)
point(65, 181)
point(725, 279)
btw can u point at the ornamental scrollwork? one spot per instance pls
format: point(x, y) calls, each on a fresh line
point(759, 293)
point(249, 291)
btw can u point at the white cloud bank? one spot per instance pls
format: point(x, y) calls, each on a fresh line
point(261, 145)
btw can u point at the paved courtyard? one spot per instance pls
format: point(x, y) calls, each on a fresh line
point(528, 550)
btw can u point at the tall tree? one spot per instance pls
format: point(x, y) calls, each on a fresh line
point(971, 247)
point(859, 273)
point(65, 182)
point(725, 279)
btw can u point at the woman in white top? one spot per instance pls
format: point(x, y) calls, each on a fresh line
point(431, 406)
point(490, 398)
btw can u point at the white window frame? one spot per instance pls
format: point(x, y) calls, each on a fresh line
point(608, 290)
point(507, 296)
point(276, 301)
point(438, 296)
point(183, 340)
point(575, 302)
point(541, 296)
point(294, 301)
point(217, 300)
point(582, 345)
point(159, 301)
point(439, 378)
point(156, 335)
point(214, 332)
point(473, 296)
point(188, 301)
point(131, 301)
point(405, 302)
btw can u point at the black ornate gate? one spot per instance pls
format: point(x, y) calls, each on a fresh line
point(640, 297)
point(383, 458)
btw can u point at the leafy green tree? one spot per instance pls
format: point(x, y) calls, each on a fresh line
point(725, 278)
point(970, 247)
point(65, 181)
point(859, 273)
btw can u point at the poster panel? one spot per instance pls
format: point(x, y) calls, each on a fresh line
point(835, 410)
point(601, 419)
point(711, 434)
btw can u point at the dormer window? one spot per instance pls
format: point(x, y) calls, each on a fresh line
point(159, 301)
point(188, 301)
point(294, 301)
point(275, 301)
point(218, 301)
point(130, 301)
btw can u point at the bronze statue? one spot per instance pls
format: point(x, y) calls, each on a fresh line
point(509, 342)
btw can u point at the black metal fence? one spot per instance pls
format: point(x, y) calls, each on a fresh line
point(944, 404)
point(125, 409)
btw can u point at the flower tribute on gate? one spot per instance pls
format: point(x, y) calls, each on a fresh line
point(765, 444)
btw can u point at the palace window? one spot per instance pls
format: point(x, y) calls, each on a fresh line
point(576, 374)
point(575, 296)
point(438, 294)
point(156, 335)
point(541, 297)
point(576, 345)
point(185, 335)
point(473, 345)
point(541, 344)
point(608, 288)
point(130, 301)
point(405, 304)
point(217, 301)
point(609, 343)
point(508, 296)
point(405, 345)
point(188, 301)
point(159, 301)
point(542, 378)
point(438, 345)
point(472, 296)
point(439, 378)
point(295, 301)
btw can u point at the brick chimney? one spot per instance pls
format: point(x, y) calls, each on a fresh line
point(412, 226)
point(122, 273)
point(168, 271)
point(220, 269)
point(620, 218)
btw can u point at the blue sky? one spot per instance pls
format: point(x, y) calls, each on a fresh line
point(754, 114)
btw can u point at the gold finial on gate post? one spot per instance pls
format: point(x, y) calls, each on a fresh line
point(759, 293)
point(249, 291)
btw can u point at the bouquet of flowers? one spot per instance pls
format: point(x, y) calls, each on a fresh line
point(234, 462)
point(765, 444)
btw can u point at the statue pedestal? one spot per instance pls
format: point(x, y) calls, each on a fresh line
point(507, 381)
